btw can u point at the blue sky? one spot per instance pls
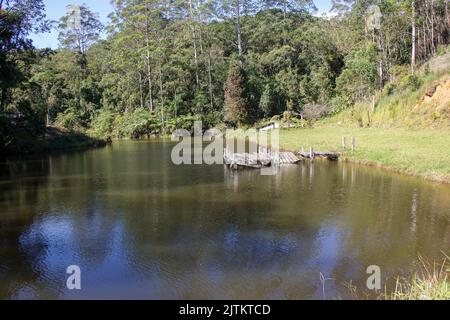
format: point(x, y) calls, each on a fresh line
point(57, 8)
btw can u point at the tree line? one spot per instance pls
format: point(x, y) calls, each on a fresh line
point(165, 63)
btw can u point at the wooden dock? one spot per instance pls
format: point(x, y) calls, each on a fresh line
point(332, 156)
point(265, 158)
point(288, 158)
point(259, 160)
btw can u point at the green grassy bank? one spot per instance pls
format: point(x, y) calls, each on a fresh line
point(407, 130)
point(430, 282)
point(422, 153)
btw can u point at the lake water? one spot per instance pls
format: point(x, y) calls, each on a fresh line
point(140, 227)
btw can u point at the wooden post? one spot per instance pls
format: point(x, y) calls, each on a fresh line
point(344, 143)
point(303, 149)
point(354, 144)
point(311, 153)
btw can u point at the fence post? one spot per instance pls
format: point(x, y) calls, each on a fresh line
point(311, 153)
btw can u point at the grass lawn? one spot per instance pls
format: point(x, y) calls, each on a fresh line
point(423, 153)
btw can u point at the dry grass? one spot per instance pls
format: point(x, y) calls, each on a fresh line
point(431, 282)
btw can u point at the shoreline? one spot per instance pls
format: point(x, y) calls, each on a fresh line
point(380, 166)
point(420, 154)
point(54, 141)
point(72, 142)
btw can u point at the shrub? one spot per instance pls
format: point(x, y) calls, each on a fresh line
point(275, 118)
point(398, 72)
point(287, 115)
point(342, 102)
point(410, 81)
point(136, 124)
point(300, 123)
point(70, 119)
point(210, 120)
point(102, 124)
point(186, 122)
point(267, 103)
point(441, 50)
point(388, 89)
point(315, 111)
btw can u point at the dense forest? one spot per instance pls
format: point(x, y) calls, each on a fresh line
point(161, 64)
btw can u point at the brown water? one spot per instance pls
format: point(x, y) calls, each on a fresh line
point(140, 227)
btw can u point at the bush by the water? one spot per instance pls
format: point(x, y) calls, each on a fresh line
point(140, 123)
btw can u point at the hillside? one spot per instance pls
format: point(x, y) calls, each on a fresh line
point(421, 101)
point(407, 131)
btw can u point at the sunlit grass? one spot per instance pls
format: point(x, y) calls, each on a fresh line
point(423, 153)
point(431, 282)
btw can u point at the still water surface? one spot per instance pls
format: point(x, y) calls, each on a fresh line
point(140, 227)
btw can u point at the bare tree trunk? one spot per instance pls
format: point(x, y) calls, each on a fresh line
point(425, 45)
point(380, 62)
point(141, 94)
point(149, 66)
point(425, 42)
point(211, 94)
point(80, 46)
point(47, 113)
point(194, 40)
point(176, 103)
point(447, 16)
point(413, 43)
point(433, 18)
point(284, 21)
point(161, 93)
point(2, 99)
point(239, 32)
point(419, 38)
point(149, 74)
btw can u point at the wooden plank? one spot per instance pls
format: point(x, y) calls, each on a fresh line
point(258, 160)
point(294, 158)
point(286, 158)
point(291, 157)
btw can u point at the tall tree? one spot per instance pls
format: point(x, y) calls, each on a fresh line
point(18, 18)
point(286, 6)
point(79, 28)
point(236, 98)
point(236, 9)
point(413, 35)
